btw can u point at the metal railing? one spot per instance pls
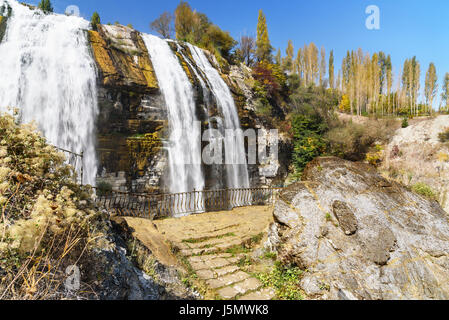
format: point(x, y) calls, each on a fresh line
point(178, 204)
point(76, 160)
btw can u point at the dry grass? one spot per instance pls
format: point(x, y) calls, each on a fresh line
point(42, 274)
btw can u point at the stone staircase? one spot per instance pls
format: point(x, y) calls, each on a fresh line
point(214, 245)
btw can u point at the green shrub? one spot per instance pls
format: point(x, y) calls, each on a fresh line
point(424, 190)
point(285, 280)
point(444, 136)
point(352, 141)
point(103, 189)
point(404, 123)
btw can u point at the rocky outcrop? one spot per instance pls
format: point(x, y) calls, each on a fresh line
point(360, 236)
point(2, 27)
point(122, 59)
point(428, 164)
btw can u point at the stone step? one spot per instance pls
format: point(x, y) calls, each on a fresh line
point(240, 288)
point(264, 294)
point(227, 280)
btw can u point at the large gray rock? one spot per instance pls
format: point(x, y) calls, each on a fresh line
point(359, 236)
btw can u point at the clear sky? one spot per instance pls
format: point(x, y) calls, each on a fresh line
point(407, 27)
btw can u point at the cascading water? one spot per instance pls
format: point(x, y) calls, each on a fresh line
point(46, 71)
point(236, 169)
point(184, 148)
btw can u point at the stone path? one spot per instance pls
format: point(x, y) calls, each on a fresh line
point(213, 244)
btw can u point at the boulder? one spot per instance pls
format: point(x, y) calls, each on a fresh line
point(360, 236)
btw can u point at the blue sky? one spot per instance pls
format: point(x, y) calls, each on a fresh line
point(408, 28)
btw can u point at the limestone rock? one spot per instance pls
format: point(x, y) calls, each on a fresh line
point(381, 242)
point(122, 58)
point(345, 217)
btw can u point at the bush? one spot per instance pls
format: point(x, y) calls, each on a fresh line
point(47, 222)
point(424, 190)
point(103, 189)
point(352, 141)
point(404, 123)
point(444, 136)
point(285, 280)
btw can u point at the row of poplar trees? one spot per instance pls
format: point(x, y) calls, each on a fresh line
point(366, 81)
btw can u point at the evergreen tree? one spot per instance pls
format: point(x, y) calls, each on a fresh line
point(45, 5)
point(95, 21)
point(264, 48)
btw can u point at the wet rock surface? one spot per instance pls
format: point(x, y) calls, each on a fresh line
point(360, 236)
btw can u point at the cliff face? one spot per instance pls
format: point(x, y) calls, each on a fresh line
point(2, 27)
point(428, 164)
point(131, 110)
point(133, 117)
point(360, 236)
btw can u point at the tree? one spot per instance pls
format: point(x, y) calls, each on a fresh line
point(431, 86)
point(278, 57)
point(163, 25)
point(288, 60)
point(196, 28)
point(263, 45)
point(247, 49)
point(445, 94)
point(95, 21)
point(184, 19)
point(331, 70)
point(322, 66)
point(45, 5)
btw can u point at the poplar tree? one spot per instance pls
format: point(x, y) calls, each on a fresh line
point(288, 60)
point(431, 86)
point(264, 48)
point(299, 64)
point(278, 58)
point(445, 93)
point(331, 70)
point(322, 66)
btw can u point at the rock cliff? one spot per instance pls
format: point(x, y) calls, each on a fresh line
point(360, 236)
point(133, 117)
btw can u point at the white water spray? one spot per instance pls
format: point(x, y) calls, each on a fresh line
point(237, 170)
point(47, 72)
point(184, 149)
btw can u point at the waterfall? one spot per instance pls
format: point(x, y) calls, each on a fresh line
point(184, 145)
point(236, 169)
point(46, 71)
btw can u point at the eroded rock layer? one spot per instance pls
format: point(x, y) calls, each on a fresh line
point(360, 236)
